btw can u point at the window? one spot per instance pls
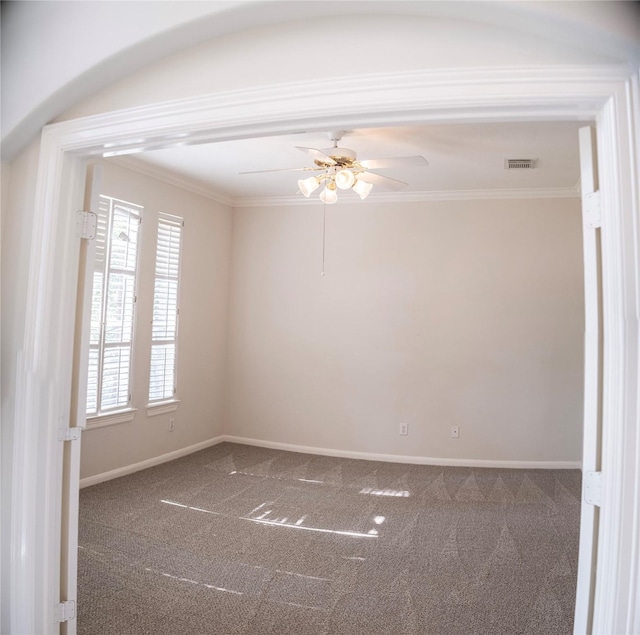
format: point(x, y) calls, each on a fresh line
point(113, 306)
point(162, 380)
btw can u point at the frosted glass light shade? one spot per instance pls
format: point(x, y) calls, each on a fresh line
point(362, 189)
point(307, 186)
point(345, 179)
point(328, 196)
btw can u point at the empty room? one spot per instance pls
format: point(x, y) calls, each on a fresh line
point(319, 321)
point(406, 371)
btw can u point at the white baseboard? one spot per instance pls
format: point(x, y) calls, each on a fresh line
point(156, 460)
point(416, 460)
point(347, 454)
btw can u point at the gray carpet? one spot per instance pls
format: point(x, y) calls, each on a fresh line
point(242, 540)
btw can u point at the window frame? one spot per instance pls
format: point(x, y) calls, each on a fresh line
point(119, 413)
point(165, 404)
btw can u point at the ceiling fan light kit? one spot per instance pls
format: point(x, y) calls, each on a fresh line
point(342, 170)
point(329, 194)
point(345, 179)
point(308, 186)
point(362, 189)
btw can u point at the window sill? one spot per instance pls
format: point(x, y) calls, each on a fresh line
point(111, 419)
point(155, 409)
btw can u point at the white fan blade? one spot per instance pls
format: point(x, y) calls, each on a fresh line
point(283, 170)
point(384, 181)
point(316, 154)
point(393, 162)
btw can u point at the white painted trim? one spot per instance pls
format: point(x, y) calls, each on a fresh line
point(162, 174)
point(203, 189)
point(41, 399)
point(591, 429)
point(617, 596)
point(399, 458)
point(633, 615)
point(414, 197)
point(100, 421)
point(471, 195)
point(305, 449)
point(143, 465)
point(451, 95)
point(155, 409)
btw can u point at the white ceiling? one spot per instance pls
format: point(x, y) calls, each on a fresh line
point(462, 158)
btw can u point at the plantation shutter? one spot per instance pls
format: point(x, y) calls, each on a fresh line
point(162, 381)
point(95, 330)
point(112, 306)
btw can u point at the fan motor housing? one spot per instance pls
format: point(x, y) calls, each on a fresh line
point(344, 157)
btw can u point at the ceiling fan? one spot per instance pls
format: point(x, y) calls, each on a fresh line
point(340, 169)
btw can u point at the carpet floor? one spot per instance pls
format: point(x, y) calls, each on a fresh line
point(243, 540)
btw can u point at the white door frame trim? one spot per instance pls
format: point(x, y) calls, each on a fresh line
point(43, 383)
point(617, 596)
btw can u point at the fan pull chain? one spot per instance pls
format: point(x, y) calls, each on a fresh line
point(324, 232)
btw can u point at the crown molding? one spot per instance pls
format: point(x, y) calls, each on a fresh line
point(172, 178)
point(416, 197)
point(377, 197)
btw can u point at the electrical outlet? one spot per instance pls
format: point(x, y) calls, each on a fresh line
point(455, 432)
point(404, 429)
point(172, 425)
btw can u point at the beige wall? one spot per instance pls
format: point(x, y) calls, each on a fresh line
point(466, 313)
point(202, 328)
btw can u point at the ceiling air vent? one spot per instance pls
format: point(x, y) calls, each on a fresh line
point(520, 164)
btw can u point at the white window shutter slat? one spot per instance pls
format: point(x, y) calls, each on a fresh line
point(92, 383)
point(162, 378)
